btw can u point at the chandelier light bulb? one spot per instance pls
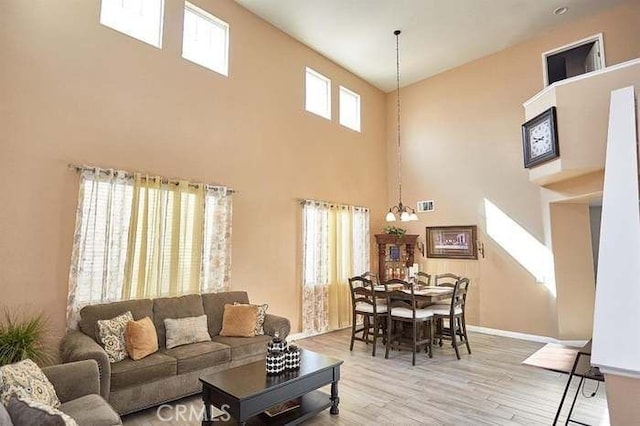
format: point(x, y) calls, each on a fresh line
point(390, 217)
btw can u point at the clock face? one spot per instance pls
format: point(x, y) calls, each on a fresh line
point(540, 139)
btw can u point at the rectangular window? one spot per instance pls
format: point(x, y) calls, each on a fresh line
point(205, 39)
point(141, 19)
point(143, 237)
point(349, 109)
point(318, 94)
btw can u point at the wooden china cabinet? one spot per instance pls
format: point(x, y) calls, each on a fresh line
point(395, 255)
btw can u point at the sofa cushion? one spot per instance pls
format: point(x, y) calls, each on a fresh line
point(243, 347)
point(174, 307)
point(141, 338)
point(24, 411)
point(197, 356)
point(91, 410)
point(185, 331)
point(111, 333)
point(239, 320)
point(214, 307)
point(129, 372)
point(89, 315)
point(26, 380)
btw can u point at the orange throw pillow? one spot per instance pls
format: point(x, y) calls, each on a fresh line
point(239, 320)
point(141, 338)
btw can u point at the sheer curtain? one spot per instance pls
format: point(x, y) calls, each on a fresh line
point(166, 231)
point(144, 236)
point(335, 247)
point(216, 253)
point(100, 239)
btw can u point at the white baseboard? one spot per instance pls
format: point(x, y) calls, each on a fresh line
point(524, 336)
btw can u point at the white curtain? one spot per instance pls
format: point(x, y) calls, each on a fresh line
point(335, 247)
point(141, 237)
point(315, 249)
point(216, 253)
point(100, 239)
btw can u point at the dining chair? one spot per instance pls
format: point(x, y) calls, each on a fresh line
point(372, 276)
point(373, 311)
point(447, 279)
point(402, 309)
point(455, 314)
point(423, 278)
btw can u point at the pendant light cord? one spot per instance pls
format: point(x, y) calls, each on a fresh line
point(399, 156)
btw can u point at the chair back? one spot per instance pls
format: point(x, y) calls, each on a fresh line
point(400, 298)
point(447, 280)
point(459, 298)
point(372, 276)
point(362, 291)
point(423, 278)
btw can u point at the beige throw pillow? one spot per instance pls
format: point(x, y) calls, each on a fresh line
point(183, 331)
point(111, 334)
point(26, 380)
point(239, 320)
point(262, 314)
point(141, 338)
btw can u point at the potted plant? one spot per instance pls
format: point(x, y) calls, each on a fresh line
point(23, 337)
point(394, 230)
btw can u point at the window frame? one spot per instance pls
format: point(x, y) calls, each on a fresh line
point(213, 20)
point(344, 91)
point(160, 33)
point(309, 71)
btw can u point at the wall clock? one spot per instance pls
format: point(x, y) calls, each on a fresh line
point(540, 139)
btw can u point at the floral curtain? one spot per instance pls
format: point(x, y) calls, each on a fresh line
point(100, 240)
point(216, 253)
point(335, 247)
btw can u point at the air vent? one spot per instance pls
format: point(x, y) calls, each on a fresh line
point(426, 206)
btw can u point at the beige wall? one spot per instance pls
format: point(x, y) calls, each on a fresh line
point(461, 143)
point(73, 91)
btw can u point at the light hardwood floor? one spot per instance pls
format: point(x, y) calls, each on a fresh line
point(489, 387)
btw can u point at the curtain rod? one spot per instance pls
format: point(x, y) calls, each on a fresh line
point(80, 168)
point(304, 201)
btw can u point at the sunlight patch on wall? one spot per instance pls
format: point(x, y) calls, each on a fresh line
point(530, 253)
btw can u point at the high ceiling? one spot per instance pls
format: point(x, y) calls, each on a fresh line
point(436, 34)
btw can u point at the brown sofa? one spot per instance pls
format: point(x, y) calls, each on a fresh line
point(168, 374)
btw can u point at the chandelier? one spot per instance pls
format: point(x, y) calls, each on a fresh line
point(405, 213)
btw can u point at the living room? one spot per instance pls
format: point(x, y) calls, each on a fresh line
point(78, 92)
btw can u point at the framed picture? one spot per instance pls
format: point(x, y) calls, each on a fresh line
point(452, 242)
point(540, 139)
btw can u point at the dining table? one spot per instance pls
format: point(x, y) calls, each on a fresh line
point(425, 295)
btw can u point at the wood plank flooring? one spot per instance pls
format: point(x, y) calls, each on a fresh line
point(488, 387)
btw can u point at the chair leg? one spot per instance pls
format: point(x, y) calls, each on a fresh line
point(415, 331)
point(389, 324)
point(464, 331)
point(375, 335)
point(365, 332)
point(454, 343)
point(353, 330)
point(430, 329)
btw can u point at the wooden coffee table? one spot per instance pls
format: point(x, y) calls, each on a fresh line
point(246, 392)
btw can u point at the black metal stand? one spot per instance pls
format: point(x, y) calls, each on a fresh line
point(586, 372)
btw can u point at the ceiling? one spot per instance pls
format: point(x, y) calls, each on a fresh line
point(437, 35)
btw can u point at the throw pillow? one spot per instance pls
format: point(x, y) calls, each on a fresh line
point(262, 314)
point(239, 320)
point(24, 411)
point(183, 331)
point(111, 334)
point(26, 380)
point(141, 338)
